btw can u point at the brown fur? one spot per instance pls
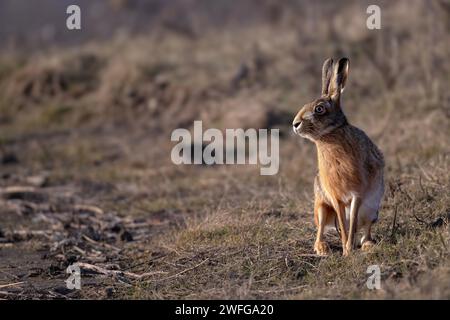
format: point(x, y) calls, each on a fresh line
point(347, 160)
point(349, 163)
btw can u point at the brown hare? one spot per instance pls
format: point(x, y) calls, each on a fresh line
point(349, 185)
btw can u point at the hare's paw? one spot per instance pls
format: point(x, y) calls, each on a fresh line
point(321, 248)
point(347, 249)
point(345, 252)
point(367, 245)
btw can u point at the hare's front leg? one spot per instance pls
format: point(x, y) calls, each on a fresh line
point(354, 208)
point(340, 212)
point(322, 214)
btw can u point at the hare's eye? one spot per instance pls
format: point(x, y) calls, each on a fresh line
point(319, 109)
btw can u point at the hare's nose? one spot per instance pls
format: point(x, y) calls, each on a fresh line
point(296, 124)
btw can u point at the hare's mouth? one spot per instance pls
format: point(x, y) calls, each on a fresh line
point(301, 129)
point(304, 132)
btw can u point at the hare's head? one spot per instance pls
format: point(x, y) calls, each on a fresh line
point(323, 115)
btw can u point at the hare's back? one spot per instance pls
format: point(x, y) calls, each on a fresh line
point(371, 155)
point(373, 161)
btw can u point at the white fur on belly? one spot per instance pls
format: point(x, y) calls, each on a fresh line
point(368, 211)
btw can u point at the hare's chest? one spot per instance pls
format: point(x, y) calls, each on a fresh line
point(340, 179)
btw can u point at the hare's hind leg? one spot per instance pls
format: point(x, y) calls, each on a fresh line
point(323, 214)
point(366, 241)
point(368, 216)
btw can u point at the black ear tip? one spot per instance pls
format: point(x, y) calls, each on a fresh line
point(343, 64)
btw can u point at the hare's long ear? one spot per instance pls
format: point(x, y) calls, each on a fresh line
point(339, 78)
point(327, 72)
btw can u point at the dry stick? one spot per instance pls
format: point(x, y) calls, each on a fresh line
point(308, 263)
point(11, 284)
point(181, 272)
point(102, 244)
point(311, 255)
point(91, 267)
point(421, 186)
point(171, 249)
point(146, 262)
point(413, 201)
point(427, 175)
point(395, 220)
point(418, 219)
point(79, 250)
point(442, 241)
point(89, 208)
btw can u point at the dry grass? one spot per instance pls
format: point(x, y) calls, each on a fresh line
point(103, 115)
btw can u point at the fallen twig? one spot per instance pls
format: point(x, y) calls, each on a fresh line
point(100, 270)
point(11, 284)
point(311, 255)
point(181, 272)
point(22, 193)
point(418, 219)
point(394, 222)
point(102, 244)
point(88, 208)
